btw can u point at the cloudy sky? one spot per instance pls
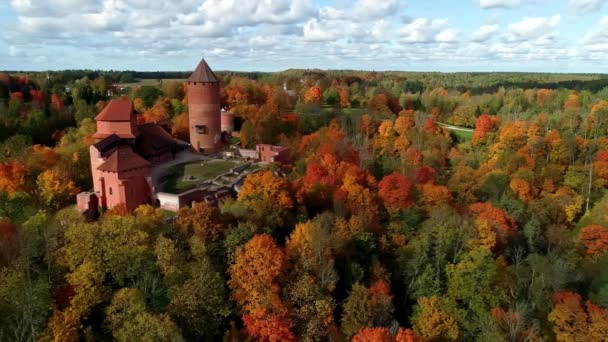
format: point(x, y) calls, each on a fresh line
point(269, 35)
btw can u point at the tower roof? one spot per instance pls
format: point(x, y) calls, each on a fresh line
point(203, 73)
point(123, 159)
point(117, 110)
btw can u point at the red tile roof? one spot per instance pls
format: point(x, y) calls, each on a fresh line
point(151, 139)
point(123, 159)
point(203, 74)
point(117, 110)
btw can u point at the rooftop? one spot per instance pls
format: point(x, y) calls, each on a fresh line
point(203, 74)
point(123, 159)
point(117, 110)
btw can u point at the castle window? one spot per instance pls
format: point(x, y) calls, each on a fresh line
point(110, 190)
point(201, 129)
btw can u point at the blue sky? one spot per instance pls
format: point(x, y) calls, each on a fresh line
point(270, 35)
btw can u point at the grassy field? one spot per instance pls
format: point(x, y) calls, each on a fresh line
point(201, 171)
point(461, 136)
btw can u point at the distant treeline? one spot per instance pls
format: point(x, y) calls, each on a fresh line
point(475, 83)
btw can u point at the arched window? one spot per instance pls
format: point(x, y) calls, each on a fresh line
point(110, 190)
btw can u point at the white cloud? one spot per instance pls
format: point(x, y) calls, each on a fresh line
point(484, 33)
point(582, 7)
point(531, 28)
point(424, 30)
point(447, 36)
point(499, 3)
point(597, 39)
point(362, 10)
point(316, 32)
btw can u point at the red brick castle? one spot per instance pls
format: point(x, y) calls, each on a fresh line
point(124, 152)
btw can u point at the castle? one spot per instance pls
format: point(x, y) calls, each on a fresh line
point(124, 151)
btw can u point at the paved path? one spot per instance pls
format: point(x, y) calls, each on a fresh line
point(456, 128)
point(158, 171)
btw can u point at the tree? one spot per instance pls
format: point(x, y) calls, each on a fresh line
point(574, 322)
point(373, 335)
point(255, 287)
point(129, 319)
point(432, 322)
point(312, 308)
point(148, 95)
point(197, 301)
point(254, 272)
point(12, 176)
point(434, 195)
point(161, 111)
point(483, 127)
point(202, 220)
point(313, 95)
point(394, 191)
point(594, 238)
point(55, 188)
point(266, 196)
point(366, 308)
point(501, 221)
point(474, 289)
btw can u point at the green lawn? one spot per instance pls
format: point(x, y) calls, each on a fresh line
point(461, 136)
point(201, 171)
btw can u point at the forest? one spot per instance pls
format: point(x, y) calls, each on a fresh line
point(388, 224)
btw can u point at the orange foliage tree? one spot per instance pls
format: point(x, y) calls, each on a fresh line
point(522, 189)
point(266, 195)
point(483, 127)
point(313, 95)
point(160, 111)
point(384, 335)
point(12, 176)
point(502, 222)
point(202, 220)
point(254, 283)
point(595, 239)
point(574, 322)
point(433, 195)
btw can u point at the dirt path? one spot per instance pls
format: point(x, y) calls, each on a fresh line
point(456, 128)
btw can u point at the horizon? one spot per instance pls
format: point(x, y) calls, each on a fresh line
point(562, 37)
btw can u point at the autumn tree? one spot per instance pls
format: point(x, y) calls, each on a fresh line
point(594, 238)
point(12, 176)
point(313, 95)
point(573, 321)
point(483, 127)
point(255, 287)
point(129, 319)
point(55, 188)
point(365, 308)
point(432, 322)
point(394, 191)
point(162, 110)
point(266, 196)
point(201, 220)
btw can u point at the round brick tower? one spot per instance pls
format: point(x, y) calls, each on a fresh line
point(204, 109)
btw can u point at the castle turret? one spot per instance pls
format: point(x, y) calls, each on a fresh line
point(204, 109)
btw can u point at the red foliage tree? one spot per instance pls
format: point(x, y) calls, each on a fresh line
point(425, 175)
point(394, 191)
point(483, 126)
